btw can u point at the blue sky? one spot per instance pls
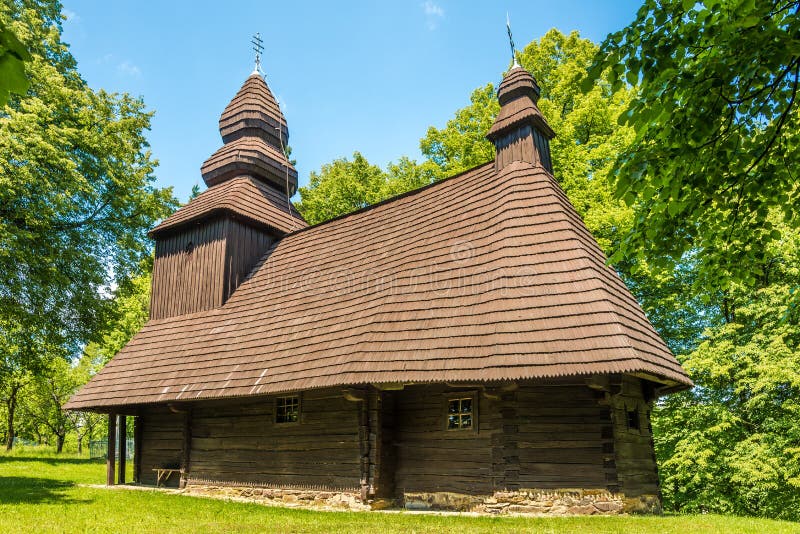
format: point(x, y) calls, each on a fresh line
point(367, 76)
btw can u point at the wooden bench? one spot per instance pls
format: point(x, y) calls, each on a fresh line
point(163, 474)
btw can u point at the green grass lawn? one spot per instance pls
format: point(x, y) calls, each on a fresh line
point(44, 493)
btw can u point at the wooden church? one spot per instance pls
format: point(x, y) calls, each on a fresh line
point(461, 346)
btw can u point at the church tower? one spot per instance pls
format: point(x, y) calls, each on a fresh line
point(520, 132)
point(209, 246)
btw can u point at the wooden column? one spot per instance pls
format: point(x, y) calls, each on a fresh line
point(386, 455)
point(112, 435)
point(123, 448)
point(137, 449)
point(186, 448)
point(364, 447)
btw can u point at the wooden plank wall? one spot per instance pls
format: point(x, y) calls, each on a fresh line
point(559, 433)
point(431, 458)
point(238, 441)
point(637, 469)
point(223, 253)
point(524, 144)
point(162, 442)
point(245, 247)
point(189, 282)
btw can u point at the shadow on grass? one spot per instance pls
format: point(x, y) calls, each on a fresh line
point(32, 490)
point(51, 460)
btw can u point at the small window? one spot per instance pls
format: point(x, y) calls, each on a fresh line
point(633, 420)
point(287, 409)
point(459, 413)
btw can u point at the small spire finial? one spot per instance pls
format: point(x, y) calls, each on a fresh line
point(258, 48)
point(511, 41)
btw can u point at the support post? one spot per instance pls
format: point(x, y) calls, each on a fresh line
point(123, 448)
point(137, 449)
point(111, 450)
point(364, 448)
point(186, 449)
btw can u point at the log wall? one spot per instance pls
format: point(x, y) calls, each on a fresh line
point(637, 469)
point(543, 436)
point(238, 442)
point(431, 458)
point(553, 436)
point(161, 443)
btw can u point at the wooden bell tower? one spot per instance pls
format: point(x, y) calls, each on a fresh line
point(208, 247)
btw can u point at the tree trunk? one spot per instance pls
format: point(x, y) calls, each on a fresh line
point(80, 444)
point(11, 405)
point(60, 442)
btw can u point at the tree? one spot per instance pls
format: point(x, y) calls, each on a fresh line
point(732, 445)
point(47, 394)
point(340, 187)
point(462, 143)
point(130, 309)
point(717, 131)
point(13, 56)
point(76, 198)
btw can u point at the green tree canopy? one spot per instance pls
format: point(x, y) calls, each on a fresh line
point(732, 445)
point(76, 199)
point(717, 135)
point(13, 56)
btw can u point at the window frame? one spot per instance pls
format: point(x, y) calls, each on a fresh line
point(450, 396)
point(637, 414)
point(299, 409)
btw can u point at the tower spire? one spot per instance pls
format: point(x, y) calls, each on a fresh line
point(511, 42)
point(258, 48)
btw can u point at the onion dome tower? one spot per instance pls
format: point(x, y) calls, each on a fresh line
point(520, 132)
point(255, 135)
point(209, 246)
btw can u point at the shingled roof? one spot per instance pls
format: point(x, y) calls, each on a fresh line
point(482, 277)
point(487, 276)
point(244, 196)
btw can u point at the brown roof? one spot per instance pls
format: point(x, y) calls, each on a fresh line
point(243, 196)
point(249, 155)
point(254, 108)
point(254, 136)
point(517, 82)
point(485, 276)
point(518, 94)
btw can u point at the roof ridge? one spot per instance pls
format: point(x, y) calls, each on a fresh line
point(393, 198)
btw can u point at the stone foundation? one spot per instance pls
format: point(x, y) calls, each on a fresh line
point(300, 498)
point(537, 502)
point(521, 502)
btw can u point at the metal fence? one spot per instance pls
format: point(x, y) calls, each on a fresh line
point(99, 449)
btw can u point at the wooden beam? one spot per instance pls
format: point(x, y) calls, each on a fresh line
point(137, 449)
point(354, 394)
point(111, 451)
point(364, 449)
point(123, 448)
point(186, 448)
point(390, 386)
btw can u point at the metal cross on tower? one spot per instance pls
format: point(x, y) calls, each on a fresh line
point(258, 48)
point(511, 41)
